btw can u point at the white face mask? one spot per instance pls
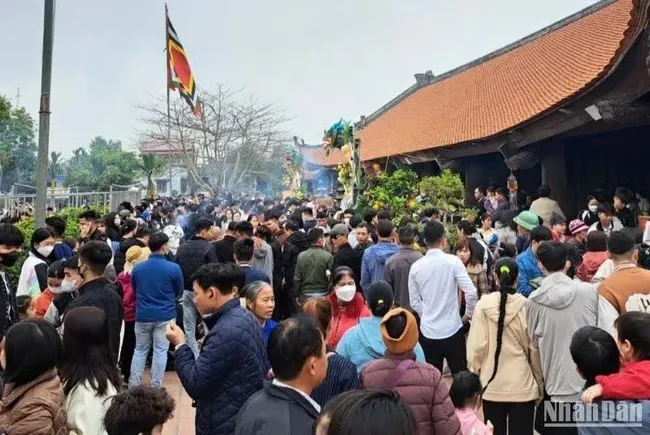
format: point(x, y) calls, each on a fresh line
point(347, 221)
point(346, 292)
point(68, 286)
point(45, 251)
point(593, 208)
point(117, 221)
point(56, 290)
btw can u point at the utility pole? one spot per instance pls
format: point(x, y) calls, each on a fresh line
point(44, 114)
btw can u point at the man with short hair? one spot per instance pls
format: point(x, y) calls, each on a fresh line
point(190, 256)
point(225, 248)
point(353, 223)
point(156, 283)
point(431, 214)
point(298, 358)
point(554, 312)
point(308, 221)
point(529, 272)
point(244, 249)
point(375, 257)
point(398, 267)
point(296, 243)
point(433, 285)
point(263, 255)
point(345, 254)
point(232, 364)
point(11, 241)
point(56, 225)
point(96, 291)
point(364, 236)
point(311, 278)
point(321, 222)
point(628, 287)
point(88, 227)
point(272, 222)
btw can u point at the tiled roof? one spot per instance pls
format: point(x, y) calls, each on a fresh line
point(316, 156)
point(521, 83)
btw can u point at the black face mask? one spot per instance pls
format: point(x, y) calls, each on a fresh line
point(10, 258)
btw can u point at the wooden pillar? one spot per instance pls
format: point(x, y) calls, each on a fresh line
point(553, 166)
point(474, 176)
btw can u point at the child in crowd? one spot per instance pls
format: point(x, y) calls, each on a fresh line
point(596, 354)
point(465, 394)
point(633, 382)
point(140, 410)
point(55, 277)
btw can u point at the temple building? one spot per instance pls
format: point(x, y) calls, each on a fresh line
point(568, 106)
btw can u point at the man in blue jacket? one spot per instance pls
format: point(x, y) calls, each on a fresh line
point(375, 257)
point(232, 364)
point(529, 271)
point(156, 283)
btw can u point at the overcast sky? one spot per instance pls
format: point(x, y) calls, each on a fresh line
point(320, 61)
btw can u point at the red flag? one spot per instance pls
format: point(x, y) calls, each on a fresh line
point(179, 73)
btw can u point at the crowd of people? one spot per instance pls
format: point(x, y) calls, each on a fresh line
point(293, 317)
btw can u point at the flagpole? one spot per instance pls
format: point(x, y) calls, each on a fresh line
point(169, 118)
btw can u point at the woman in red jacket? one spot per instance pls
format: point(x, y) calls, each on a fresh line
point(347, 303)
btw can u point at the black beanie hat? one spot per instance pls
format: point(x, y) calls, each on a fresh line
point(380, 298)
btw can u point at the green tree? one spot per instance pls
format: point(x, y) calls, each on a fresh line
point(151, 165)
point(55, 164)
point(17, 145)
point(103, 164)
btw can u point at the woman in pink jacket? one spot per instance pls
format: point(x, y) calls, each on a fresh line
point(419, 384)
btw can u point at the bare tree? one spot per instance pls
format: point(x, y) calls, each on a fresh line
point(233, 142)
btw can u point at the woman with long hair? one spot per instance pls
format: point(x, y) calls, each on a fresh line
point(464, 251)
point(33, 400)
point(33, 275)
point(227, 218)
point(348, 305)
point(87, 370)
point(341, 373)
point(112, 223)
point(500, 351)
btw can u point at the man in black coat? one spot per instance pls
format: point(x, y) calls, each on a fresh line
point(296, 243)
point(298, 358)
point(345, 255)
point(190, 256)
point(225, 247)
point(97, 292)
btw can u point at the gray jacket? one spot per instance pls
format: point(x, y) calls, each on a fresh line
point(396, 273)
point(557, 309)
point(263, 260)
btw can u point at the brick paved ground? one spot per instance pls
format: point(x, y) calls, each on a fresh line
point(183, 421)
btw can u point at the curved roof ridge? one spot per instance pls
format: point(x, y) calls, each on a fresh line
point(491, 55)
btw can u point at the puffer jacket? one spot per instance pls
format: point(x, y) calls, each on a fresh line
point(345, 317)
point(422, 389)
point(231, 368)
point(36, 408)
